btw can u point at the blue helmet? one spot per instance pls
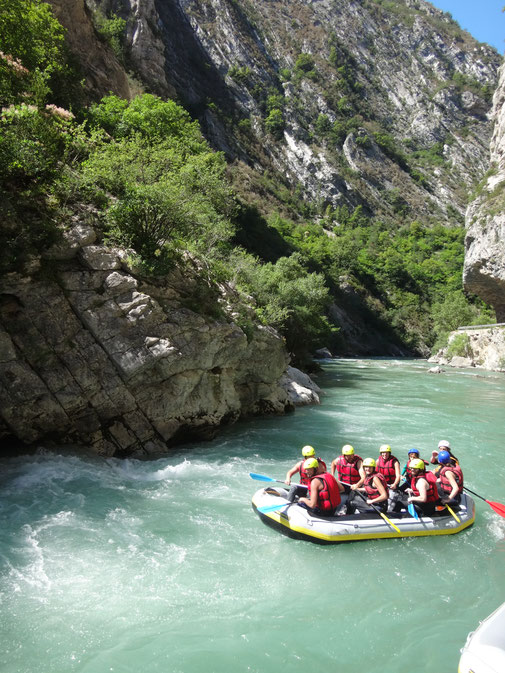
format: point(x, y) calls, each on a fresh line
point(443, 457)
point(416, 451)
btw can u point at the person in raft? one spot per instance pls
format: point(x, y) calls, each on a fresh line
point(389, 466)
point(349, 468)
point(449, 480)
point(423, 493)
point(324, 492)
point(443, 445)
point(407, 472)
point(301, 489)
point(375, 487)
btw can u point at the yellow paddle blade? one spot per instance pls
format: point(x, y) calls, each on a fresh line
point(453, 514)
point(389, 522)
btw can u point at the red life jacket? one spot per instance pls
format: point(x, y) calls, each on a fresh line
point(445, 484)
point(328, 498)
point(347, 472)
point(370, 489)
point(432, 493)
point(304, 479)
point(387, 468)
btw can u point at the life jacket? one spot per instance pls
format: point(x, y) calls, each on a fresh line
point(432, 493)
point(328, 498)
point(387, 468)
point(370, 489)
point(347, 472)
point(445, 484)
point(304, 478)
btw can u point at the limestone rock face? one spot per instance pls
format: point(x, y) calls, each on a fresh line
point(484, 270)
point(100, 357)
point(103, 73)
point(485, 349)
point(420, 78)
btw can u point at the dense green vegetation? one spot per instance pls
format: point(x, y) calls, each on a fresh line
point(153, 184)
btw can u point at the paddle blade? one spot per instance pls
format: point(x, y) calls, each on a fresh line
point(260, 477)
point(453, 514)
point(412, 511)
point(496, 507)
point(271, 508)
point(389, 522)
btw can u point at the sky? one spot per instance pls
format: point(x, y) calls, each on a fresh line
point(483, 19)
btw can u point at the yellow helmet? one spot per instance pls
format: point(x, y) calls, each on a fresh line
point(308, 451)
point(416, 464)
point(369, 462)
point(310, 463)
point(347, 450)
point(384, 448)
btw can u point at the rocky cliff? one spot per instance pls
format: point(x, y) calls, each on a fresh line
point(484, 271)
point(103, 73)
point(356, 102)
point(93, 354)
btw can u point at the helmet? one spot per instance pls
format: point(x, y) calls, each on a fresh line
point(416, 451)
point(347, 450)
point(384, 448)
point(416, 464)
point(310, 463)
point(444, 444)
point(443, 457)
point(369, 462)
point(308, 451)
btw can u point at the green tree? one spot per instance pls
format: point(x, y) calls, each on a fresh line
point(33, 39)
point(275, 124)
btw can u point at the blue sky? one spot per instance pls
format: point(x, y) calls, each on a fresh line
point(483, 19)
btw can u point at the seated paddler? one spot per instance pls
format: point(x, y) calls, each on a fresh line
point(374, 487)
point(423, 491)
point(302, 489)
point(324, 493)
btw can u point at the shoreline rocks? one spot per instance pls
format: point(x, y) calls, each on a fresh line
point(483, 349)
point(96, 355)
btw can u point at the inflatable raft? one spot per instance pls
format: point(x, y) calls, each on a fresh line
point(274, 509)
point(484, 651)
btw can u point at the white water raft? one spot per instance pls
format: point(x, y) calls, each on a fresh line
point(297, 522)
point(484, 651)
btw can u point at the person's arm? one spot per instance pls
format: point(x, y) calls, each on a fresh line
point(334, 466)
point(362, 475)
point(422, 487)
point(383, 494)
point(434, 457)
point(292, 471)
point(398, 476)
point(315, 487)
point(455, 488)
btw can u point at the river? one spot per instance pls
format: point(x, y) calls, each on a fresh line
point(162, 566)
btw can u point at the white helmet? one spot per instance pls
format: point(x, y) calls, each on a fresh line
point(444, 444)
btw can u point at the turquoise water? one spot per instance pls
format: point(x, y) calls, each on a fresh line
point(110, 565)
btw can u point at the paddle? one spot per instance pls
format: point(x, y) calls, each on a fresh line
point(495, 506)
point(271, 508)
point(412, 510)
point(263, 477)
point(453, 514)
point(375, 508)
point(379, 512)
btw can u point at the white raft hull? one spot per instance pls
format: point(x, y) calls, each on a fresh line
point(297, 522)
point(484, 651)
